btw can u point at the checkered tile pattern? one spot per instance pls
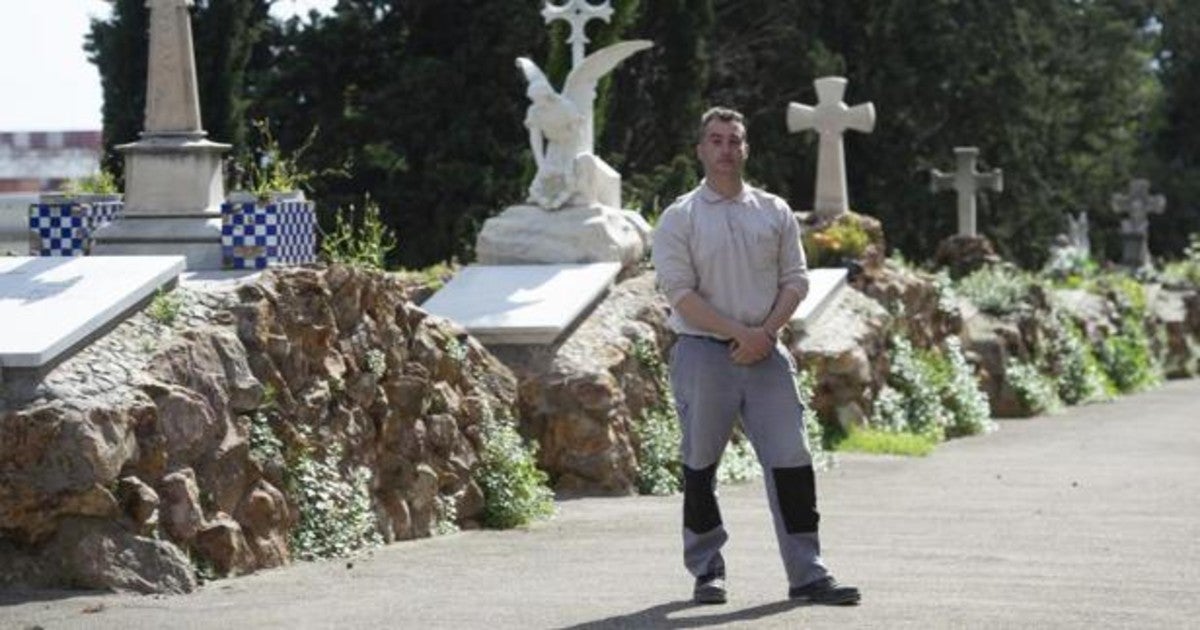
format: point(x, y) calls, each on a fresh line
point(65, 229)
point(256, 236)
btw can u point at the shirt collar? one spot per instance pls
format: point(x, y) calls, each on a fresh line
point(710, 195)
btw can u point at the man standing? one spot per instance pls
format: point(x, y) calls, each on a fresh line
point(728, 258)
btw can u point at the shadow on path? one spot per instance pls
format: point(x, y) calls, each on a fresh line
point(659, 616)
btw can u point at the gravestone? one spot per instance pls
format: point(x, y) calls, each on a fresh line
point(49, 305)
point(1139, 204)
point(573, 211)
point(830, 118)
point(824, 285)
point(521, 304)
point(966, 181)
point(173, 178)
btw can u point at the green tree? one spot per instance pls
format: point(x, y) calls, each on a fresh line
point(1053, 92)
point(1176, 142)
point(424, 102)
point(657, 102)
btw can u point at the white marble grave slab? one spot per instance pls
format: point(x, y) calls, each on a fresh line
point(49, 304)
point(824, 284)
point(521, 304)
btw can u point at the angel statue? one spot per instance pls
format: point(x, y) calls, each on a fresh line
point(560, 124)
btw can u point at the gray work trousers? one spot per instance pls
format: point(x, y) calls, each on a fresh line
point(711, 392)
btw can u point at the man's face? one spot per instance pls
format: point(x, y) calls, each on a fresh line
point(723, 148)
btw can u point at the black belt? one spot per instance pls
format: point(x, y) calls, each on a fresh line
point(723, 342)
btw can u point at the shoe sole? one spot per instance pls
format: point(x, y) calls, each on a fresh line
point(848, 600)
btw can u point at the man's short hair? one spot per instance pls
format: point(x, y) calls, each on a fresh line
point(723, 114)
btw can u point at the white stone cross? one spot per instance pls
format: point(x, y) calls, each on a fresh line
point(1139, 204)
point(577, 13)
point(966, 181)
point(830, 118)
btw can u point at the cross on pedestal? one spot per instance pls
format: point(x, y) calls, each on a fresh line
point(577, 13)
point(1139, 204)
point(830, 118)
point(966, 181)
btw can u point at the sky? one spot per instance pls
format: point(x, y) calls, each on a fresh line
point(41, 52)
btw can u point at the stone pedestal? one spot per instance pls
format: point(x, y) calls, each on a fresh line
point(1135, 250)
point(174, 191)
point(962, 255)
point(528, 234)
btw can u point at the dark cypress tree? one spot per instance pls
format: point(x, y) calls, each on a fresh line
point(1177, 140)
point(656, 102)
point(425, 103)
point(225, 34)
point(118, 48)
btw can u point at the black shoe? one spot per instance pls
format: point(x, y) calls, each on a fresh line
point(710, 589)
point(825, 592)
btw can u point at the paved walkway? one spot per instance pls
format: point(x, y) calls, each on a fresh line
point(1087, 519)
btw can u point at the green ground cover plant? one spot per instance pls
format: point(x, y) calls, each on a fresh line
point(881, 442)
point(515, 490)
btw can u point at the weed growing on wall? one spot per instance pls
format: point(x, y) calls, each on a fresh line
point(657, 431)
point(364, 245)
point(1078, 375)
point(916, 406)
point(515, 490)
point(165, 307)
point(1035, 391)
point(1126, 357)
point(997, 289)
point(967, 405)
point(336, 518)
point(264, 445)
point(814, 431)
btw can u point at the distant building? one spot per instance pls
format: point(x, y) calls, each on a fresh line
point(41, 161)
point(32, 162)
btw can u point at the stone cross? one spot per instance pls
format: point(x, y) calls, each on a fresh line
point(577, 13)
point(1139, 204)
point(830, 118)
point(966, 181)
point(172, 100)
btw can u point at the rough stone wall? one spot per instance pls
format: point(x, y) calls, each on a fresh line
point(92, 466)
point(581, 397)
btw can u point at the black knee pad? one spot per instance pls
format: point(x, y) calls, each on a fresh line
point(700, 511)
point(796, 491)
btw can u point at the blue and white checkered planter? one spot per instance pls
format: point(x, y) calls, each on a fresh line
point(257, 235)
point(64, 228)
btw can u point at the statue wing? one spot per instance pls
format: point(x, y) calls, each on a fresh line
point(533, 74)
point(580, 87)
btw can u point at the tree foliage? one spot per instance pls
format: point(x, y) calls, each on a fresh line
point(1176, 136)
point(421, 100)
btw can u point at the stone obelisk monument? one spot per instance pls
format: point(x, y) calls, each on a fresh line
point(173, 180)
